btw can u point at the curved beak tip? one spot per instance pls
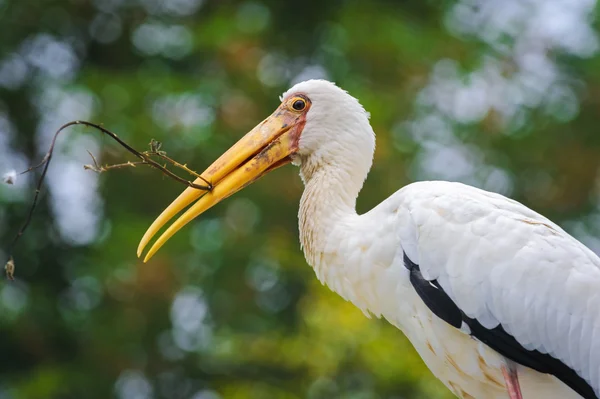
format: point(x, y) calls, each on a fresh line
point(264, 148)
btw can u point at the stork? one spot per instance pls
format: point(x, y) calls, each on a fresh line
point(499, 301)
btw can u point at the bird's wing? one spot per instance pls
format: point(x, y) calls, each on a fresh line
point(527, 286)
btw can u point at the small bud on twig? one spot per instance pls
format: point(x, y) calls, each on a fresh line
point(10, 269)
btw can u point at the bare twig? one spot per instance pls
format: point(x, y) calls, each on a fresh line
point(96, 167)
point(106, 168)
point(162, 154)
point(96, 164)
point(44, 161)
point(145, 159)
point(143, 156)
point(155, 151)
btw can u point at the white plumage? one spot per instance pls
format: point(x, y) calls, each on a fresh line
point(499, 262)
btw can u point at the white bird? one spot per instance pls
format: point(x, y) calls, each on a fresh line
point(498, 300)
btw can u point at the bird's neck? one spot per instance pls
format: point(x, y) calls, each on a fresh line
point(337, 242)
point(327, 205)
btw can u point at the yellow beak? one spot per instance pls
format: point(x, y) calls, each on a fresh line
point(263, 149)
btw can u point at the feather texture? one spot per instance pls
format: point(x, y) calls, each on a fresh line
point(504, 266)
point(507, 265)
point(523, 286)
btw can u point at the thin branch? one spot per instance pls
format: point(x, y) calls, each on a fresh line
point(143, 156)
point(106, 168)
point(32, 168)
point(140, 155)
point(162, 154)
point(96, 167)
point(154, 152)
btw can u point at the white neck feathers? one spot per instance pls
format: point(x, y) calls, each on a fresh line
point(328, 205)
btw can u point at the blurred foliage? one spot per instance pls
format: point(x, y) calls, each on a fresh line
point(500, 94)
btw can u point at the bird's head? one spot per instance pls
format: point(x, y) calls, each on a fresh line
point(317, 126)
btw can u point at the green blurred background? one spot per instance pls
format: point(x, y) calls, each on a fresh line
point(500, 94)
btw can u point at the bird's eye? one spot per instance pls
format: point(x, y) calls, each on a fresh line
point(299, 104)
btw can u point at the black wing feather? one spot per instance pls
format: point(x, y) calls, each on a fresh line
point(436, 300)
point(497, 338)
